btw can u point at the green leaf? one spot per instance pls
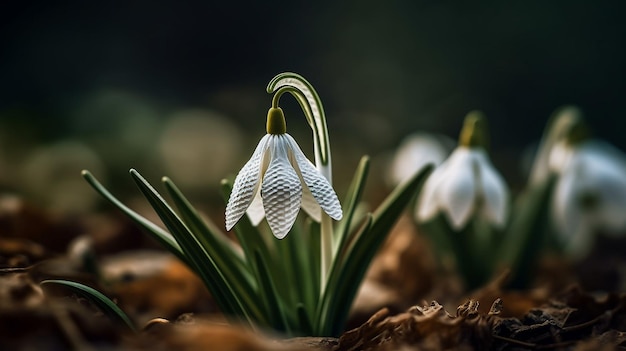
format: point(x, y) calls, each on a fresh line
point(233, 267)
point(347, 274)
point(270, 295)
point(304, 272)
point(219, 247)
point(314, 247)
point(526, 235)
point(353, 197)
point(249, 236)
point(163, 237)
point(201, 261)
point(304, 321)
point(108, 307)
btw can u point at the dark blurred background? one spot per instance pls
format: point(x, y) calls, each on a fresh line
point(178, 87)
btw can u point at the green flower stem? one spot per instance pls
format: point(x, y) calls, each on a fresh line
point(311, 104)
point(327, 249)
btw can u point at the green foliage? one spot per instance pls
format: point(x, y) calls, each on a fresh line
point(274, 283)
point(108, 307)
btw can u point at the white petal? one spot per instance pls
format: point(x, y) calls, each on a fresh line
point(255, 212)
point(566, 210)
point(602, 173)
point(310, 205)
point(428, 202)
point(457, 190)
point(414, 153)
point(281, 189)
point(494, 191)
point(574, 226)
point(315, 182)
point(246, 185)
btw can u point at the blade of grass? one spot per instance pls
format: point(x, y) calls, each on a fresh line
point(203, 263)
point(213, 241)
point(353, 197)
point(314, 253)
point(348, 274)
point(287, 285)
point(108, 307)
point(249, 237)
point(300, 252)
point(304, 321)
point(268, 291)
point(526, 235)
point(163, 237)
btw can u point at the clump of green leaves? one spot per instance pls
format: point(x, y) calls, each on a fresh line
point(303, 284)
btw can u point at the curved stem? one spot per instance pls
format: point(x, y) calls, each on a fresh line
point(311, 105)
point(313, 110)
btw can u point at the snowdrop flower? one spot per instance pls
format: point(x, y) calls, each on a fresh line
point(466, 184)
point(277, 181)
point(561, 124)
point(590, 194)
point(415, 152)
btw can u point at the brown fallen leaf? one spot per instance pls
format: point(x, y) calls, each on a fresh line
point(428, 327)
point(191, 333)
point(155, 284)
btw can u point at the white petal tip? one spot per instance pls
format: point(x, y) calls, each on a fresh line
point(281, 235)
point(336, 216)
point(229, 225)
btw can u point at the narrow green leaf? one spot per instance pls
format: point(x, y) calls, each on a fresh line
point(526, 236)
point(163, 237)
point(325, 317)
point(314, 247)
point(353, 197)
point(301, 254)
point(233, 267)
point(270, 295)
point(219, 247)
point(249, 236)
point(347, 276)
point(202, 262)
point(287, 285)
point(108, 307)
point(304, 321)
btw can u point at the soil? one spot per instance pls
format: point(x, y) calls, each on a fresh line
point(405, 303)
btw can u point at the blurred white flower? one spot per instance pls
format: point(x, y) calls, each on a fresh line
point(590, 195)
point(414, 153)
point(278, 180)
point(466, 184)
point(560, 125)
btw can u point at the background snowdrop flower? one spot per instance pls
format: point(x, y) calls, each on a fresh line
point(560, 124)
point(278, 180)
point(590, 194)
point(415, 152)
point(466, 184)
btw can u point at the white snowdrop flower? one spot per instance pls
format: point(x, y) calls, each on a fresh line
point(590, 194)
point(561, 123)
point(278, 180)
point(414, 153)
point(466, 184)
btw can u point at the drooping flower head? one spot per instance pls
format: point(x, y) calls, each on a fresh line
point(590, 193)
point(277, 181)
point(415, 152)
point(466, 184)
